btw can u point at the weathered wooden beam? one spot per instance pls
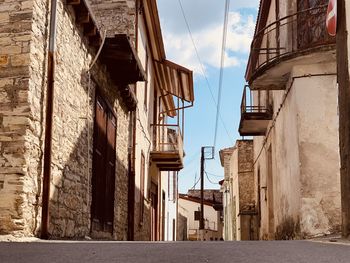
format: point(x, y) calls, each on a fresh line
point(118, 55)
point(73, 2)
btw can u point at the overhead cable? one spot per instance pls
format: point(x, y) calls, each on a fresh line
point(202, 68)
point(222, 64)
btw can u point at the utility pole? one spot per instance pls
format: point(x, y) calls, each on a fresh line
point(203, 158)
point(201, 221)
point(344, 110)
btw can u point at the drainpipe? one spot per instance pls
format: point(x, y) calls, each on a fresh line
point(48, 122)
point(132, 145)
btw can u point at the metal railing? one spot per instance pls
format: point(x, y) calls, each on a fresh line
point(168, 138)
point(248, 104)
point(291, 34)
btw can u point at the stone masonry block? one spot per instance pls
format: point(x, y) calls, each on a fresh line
point(4, 60)
point(4, 18)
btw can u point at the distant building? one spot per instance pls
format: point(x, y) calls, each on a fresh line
point(189, 208)
point(290, 107)
point(239, 203)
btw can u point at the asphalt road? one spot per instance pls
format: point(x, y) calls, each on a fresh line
point(179, 252)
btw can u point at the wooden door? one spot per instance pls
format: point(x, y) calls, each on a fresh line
point(103, 168)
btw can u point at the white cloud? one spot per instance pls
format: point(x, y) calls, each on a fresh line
point(208, 41)
point(200, 13)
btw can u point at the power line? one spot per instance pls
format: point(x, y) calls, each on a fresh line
point(194, 186)
point(222, 64)
point(209, 179)
point(195, 179)
point(216, 175)
point(202, 67)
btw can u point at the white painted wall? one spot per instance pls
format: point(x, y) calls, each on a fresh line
point(234, 192)
point(210, 217)
point(319, 154)
point(143, 123)
point(170, 204)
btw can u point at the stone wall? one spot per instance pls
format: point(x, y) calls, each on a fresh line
point(18, 187)
point(115, 16)
point(246, 175)
point(225, 155)
point(22, 107)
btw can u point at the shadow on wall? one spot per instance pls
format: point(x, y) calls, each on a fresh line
point(72, 160)
point(181, 228)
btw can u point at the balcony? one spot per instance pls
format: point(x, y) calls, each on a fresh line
point(168, 149)
point(254, 118)
point(297, 39)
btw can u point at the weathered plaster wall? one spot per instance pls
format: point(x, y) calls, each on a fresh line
point(234, 195)
point(285, 170)
point(284, 208)
point(182, 229)
point(306, 187)
point(144, 130)
point(225, 156)
point(319, 154)
point(210, 217)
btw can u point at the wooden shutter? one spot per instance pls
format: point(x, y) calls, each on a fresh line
point(99, 150)
point(110, 168)
point(103, 168)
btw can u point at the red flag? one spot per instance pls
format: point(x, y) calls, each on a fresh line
point(331, 20)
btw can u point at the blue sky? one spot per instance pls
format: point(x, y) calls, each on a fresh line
point(205, 18)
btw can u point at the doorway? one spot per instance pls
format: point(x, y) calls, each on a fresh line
point(154, 212)
point(103, 168)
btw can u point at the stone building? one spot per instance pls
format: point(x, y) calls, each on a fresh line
point(290, 107)
point(111, 85)
point(239, 203)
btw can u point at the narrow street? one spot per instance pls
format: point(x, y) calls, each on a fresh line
point(185, 252)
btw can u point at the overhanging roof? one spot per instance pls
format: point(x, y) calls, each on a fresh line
point(175, 80)
point(122, 61)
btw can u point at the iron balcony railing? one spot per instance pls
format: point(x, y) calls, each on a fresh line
point(168, 138)
point(293, 34)
point(248, 106)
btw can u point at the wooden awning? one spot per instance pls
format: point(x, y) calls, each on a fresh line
point(175, 80)
point(122, 61)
